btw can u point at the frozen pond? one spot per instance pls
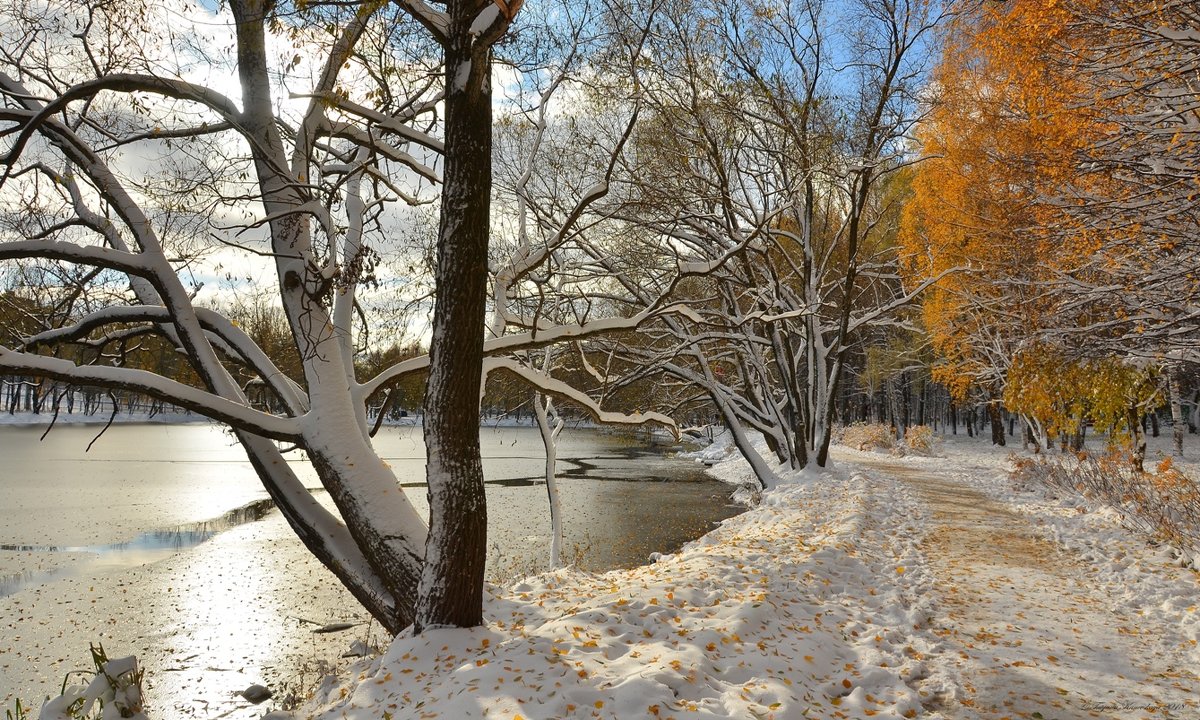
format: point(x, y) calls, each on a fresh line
point(156, 542)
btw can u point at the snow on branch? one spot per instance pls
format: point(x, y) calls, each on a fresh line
point(94, 255)
point(120, 82)
point(231, 339)
point(383, 121)
point(883, 310)
point(533, 339)
point(389, 151)
point(561, 390)
point(493, 21)
point(218, 408)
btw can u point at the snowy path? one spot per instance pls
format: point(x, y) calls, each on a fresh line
point(1032, 631)
point(889, 589)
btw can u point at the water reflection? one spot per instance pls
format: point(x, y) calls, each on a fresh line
point(15, 582)
point(145, 548)
point(240, 608)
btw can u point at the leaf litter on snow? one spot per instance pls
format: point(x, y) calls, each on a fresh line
point(1051, 606)
point(813, 604)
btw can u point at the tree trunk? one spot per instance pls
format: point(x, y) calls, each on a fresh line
point(1080, 435)
point(762, 472)
point(542, 406)
point(996, 423)
point(451, 590)
point(1137, 438)
point(1031, 442)
point(1176, 402)
point(921, 400)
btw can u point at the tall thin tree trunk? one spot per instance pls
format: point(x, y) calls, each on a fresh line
point(542, 406)
point(1137, 438)
point(451, 589)
point(1176, 402)
point(921, 400)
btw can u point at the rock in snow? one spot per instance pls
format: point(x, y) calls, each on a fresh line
point(257, 694)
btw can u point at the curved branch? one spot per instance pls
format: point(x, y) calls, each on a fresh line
point(531, 340)
point(121, 82)
point(435, 21)
point(235, 342)
point(561, 390)
point(218, 408)
point(95, 255)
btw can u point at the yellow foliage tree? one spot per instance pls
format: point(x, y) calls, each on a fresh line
point(1019, 144)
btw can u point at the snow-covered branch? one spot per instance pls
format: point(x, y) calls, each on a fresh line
point(551, 386)
point(218, 408)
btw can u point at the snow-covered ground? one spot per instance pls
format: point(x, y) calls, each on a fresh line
point(797, 604)
point(844, 594)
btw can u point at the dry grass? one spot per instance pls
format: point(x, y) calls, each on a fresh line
point(1163, 504)
point(868, 436)
point(918, 439)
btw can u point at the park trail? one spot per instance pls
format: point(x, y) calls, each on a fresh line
point(1031, 631)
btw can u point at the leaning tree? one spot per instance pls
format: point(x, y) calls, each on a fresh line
point(146, 143)
point(764, 173)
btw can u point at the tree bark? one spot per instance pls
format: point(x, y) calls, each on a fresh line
point(995, 422)
point(1137, 438)
point(451, 589)
point(1176, 401)
point(542, 407)
point(921, 400)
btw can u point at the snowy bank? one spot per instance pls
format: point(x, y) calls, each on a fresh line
point(817, 603)
point(1137, 575)
point(813, 603)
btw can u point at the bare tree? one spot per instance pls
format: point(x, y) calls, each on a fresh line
point(1134, 204)
point(765, 168)
point(129, 155)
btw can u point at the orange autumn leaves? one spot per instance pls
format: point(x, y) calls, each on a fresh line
point(1009, 129)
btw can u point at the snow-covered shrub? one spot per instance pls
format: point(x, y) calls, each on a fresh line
point(869, 436)
point(114, 692)
point(920, 440)
point(1163, 504)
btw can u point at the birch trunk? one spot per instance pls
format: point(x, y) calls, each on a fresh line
point(1177, 423)
point(542, 406)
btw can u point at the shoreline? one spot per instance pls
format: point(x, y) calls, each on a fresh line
point(819, 602)
point(194, 662)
